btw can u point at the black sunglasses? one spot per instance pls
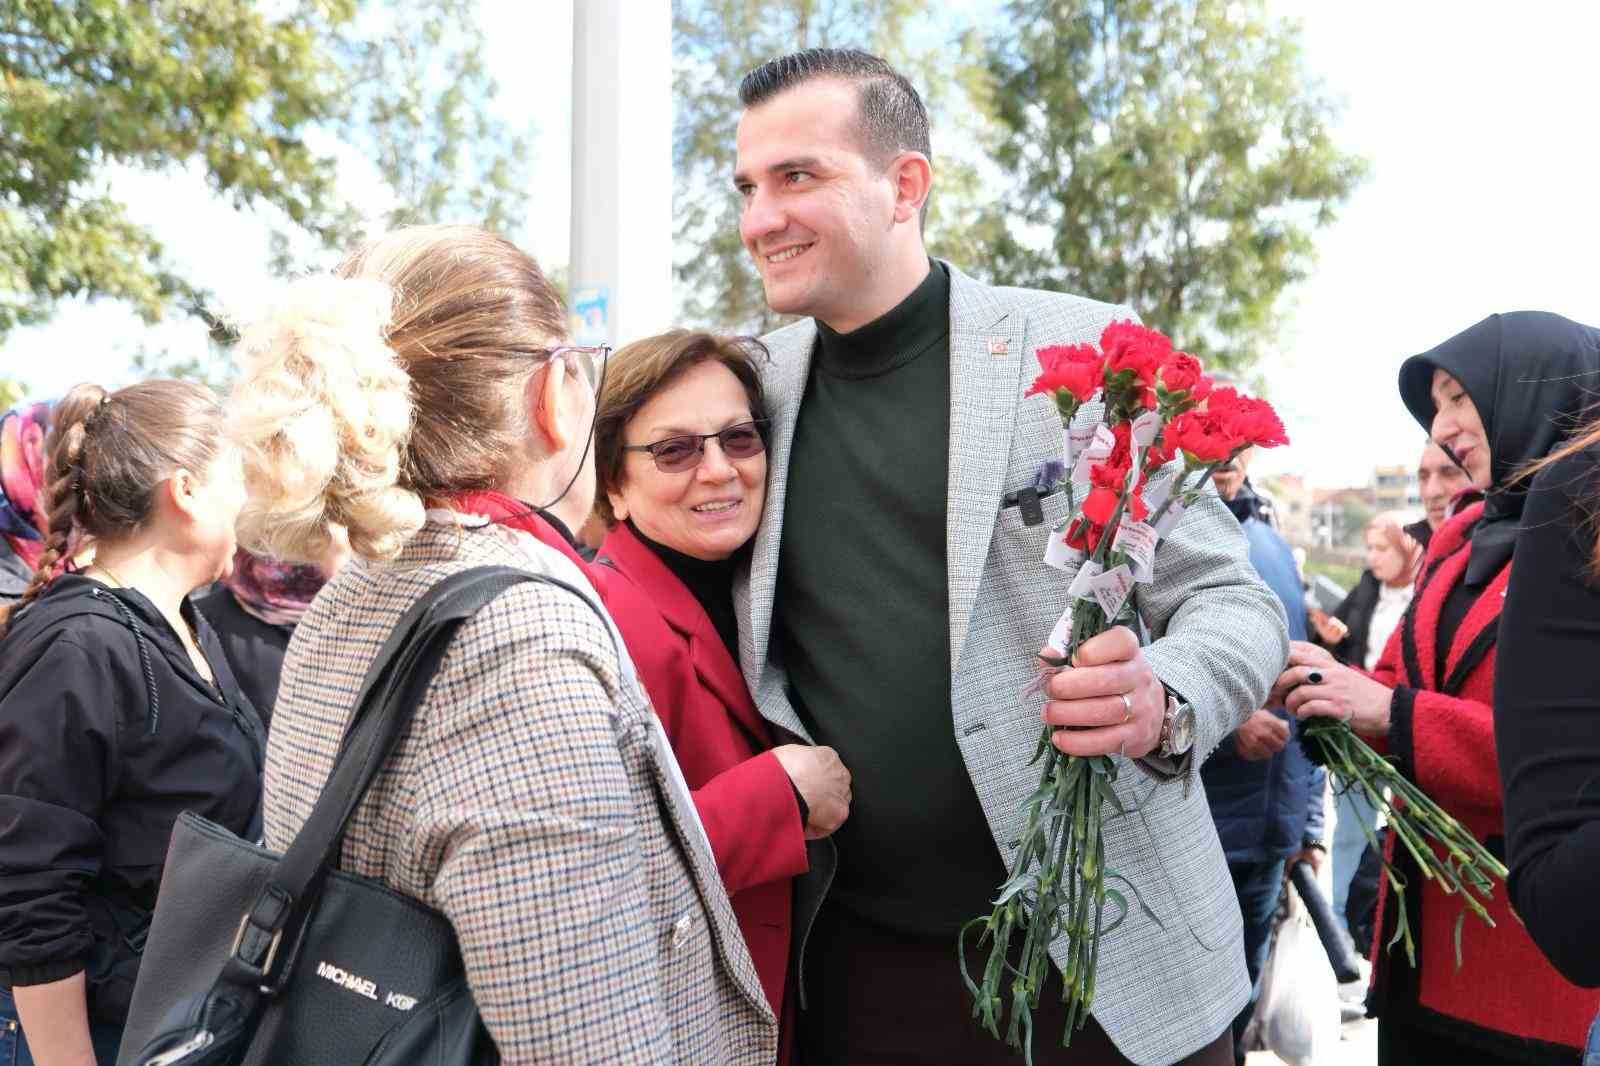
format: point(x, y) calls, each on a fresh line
point(674, 455)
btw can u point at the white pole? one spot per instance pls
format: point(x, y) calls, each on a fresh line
point(621, 169)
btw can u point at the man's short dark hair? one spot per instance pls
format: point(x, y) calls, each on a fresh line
point(892, 118)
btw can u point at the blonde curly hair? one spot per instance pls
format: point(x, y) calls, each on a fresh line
point(396, 380)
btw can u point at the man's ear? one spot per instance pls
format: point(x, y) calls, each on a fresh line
point(912, 175)
point(544, 397)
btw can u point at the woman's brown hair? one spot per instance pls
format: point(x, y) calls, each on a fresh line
point(105, 457)
point(1585, 438)
point(398, 381)
point(639, 370)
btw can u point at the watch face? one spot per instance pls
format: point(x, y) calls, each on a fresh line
point(1183, 729)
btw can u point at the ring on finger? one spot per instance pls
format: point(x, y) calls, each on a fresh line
point(1127, 707)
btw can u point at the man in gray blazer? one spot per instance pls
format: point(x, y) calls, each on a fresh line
point(896, 599)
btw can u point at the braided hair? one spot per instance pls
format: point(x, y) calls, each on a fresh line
point(105, 457)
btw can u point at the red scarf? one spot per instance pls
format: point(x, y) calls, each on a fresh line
point(502, 510)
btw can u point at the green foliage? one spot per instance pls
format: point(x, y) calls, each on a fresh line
point(715, 43)
point(421, 105)
point(214, 368)
point(1345, 575)
point(1173, 155)
point(93, 85)
point(251, 94)
point(12, 393)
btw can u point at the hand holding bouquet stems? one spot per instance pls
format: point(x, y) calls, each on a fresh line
point(1151, 414)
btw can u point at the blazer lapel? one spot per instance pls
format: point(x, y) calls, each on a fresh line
point(753, 592)
point(987, 357)
point(713, 666)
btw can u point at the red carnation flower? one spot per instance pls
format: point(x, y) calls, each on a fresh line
point(1157, 456)
point(1082, 535)
point(1108, 482)
point(1077, 369)
point(1181, 373)
point(1100, 504)
point(1251, 421)
point(1132, 347)
point(1203, 437)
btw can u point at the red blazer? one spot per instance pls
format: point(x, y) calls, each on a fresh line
point(723, 744)
point(1443, 736)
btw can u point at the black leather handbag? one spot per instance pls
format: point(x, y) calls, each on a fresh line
point(260, 959)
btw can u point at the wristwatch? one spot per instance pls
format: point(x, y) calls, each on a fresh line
point(1177, 728)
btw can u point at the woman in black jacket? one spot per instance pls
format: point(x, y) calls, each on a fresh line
point(254, 612)
point(1547, 709)
point(117, 708)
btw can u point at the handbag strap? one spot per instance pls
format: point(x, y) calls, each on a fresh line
point(394, 687)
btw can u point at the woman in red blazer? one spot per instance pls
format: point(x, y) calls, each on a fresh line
point(1497, 397)
point(680, 458)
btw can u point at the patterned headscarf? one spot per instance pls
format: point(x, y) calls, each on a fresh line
point(277, 593)
point(22, 515)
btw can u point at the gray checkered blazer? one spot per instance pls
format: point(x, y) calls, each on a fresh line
point(530, 803)
point(1167, 987)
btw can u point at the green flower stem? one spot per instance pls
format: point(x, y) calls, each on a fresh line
point(1466, 869)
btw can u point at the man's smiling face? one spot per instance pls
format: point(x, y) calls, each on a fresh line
point(817, 212)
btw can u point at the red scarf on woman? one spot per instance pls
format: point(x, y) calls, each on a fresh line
point(503, 510)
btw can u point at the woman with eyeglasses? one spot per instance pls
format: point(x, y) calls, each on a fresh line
point(423, 404)
point(682, 471)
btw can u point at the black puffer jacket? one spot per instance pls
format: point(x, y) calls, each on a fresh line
point(107, 733)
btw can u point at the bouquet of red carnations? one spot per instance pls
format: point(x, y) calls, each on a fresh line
point(1126, 491)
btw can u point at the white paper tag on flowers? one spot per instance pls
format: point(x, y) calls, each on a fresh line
point(1059, 554)
point(1111, 589)
point(1145, 428)
point(1061, 635)
point(1074, 439)
point(1083, 582)
point(1138, 540)
point(1156, 493)
point(1170, 519)
point(1098, 448)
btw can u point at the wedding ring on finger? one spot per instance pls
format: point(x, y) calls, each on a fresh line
point(1127, 707)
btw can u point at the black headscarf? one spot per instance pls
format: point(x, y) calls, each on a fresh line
point(1532, 376)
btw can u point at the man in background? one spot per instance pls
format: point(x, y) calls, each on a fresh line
point(1439, 482)
point(1266, 797)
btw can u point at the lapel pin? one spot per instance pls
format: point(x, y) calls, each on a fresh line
point(998, 346)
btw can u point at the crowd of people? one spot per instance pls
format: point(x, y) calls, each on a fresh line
point(740, 813)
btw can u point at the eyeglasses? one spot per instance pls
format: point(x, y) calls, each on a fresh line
point(587, 360)
point(674, 455)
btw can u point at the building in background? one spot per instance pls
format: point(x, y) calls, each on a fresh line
point(1394, 488)
point(1292, 499)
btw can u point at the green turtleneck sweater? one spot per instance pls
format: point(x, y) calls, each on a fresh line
point(862, 616)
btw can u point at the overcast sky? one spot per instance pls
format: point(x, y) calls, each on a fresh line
point(1478, 120)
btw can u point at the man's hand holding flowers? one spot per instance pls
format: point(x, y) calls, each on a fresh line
point(1110, 702)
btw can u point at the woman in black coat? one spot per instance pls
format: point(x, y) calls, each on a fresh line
point(254, 612)
point(1547, 709)
point(117, 708)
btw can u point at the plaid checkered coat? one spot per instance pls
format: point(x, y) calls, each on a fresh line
point(533, 802)
point(1168, 984)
